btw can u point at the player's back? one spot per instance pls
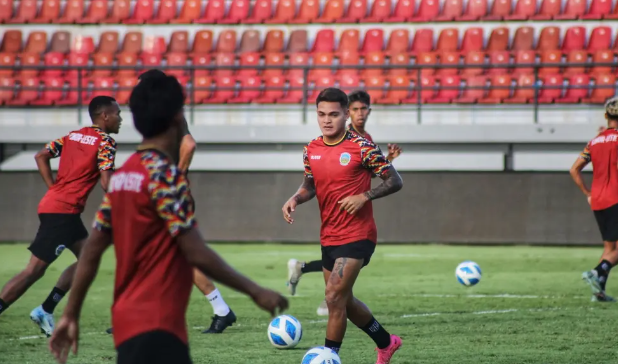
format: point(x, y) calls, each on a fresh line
point(83, 154)
point(153, 279)
point(602, 151)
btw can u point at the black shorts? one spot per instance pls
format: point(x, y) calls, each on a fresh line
point(608, 223)
point(57, 232)
point(155, 347)
point(362, 249)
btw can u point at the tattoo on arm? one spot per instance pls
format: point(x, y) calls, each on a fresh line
point(306, 191)
point(391, 183)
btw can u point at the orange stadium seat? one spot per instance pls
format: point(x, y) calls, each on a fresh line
point(125, 86)
point(499, 90)
point(427, 85)
point(179, 42)
point(7, 60)
point(308, 13)
point(226, 42)
point(202, 89)
point(73, 12)
point(202, 42)
point(604, 88)
point(400, 59)
point(224, 90)
point(476, 9)
point(523, 40)
point(613, 15)
point(579, 85)
point(177, 60)
point(348, 43)
point(103, 86)
point(348, 59)
point(524, 90)
point(200, 61)
point(374, 86)
point(498, 40)
point(551, 89)
point(26, 12)
point(380, 10)
point(320, 84)
point(606, 57)
point(448, 59)
point(297, 59)
point(550, 57)
point(49, 11)
point(284, 12)
point(349, 83)
point(224, 60)
point(7, 90)
point(249, 90)
point(474, 58)
point(404, 10)
point(36, 43)
point(249, 59)
point(108, 43)
point(472, 40)
point(273, 90)
point(189, 13)
point(425, 59)
point(250, 42)
point(473, 91)
point(96, 13)
point(333, 10)
point(576, 57)
point(121, 10)
point(524, 58)
point(297, 42)
point(274, 41)
point(294, 94)
point(27, 92)
point(321, 59)
point(498, 59)
point(398, 42)
point(549, 39)
point(397, 90)
point(166, 12)
point(449, 90)
point(102, 60)
point(6, 10)
point(273, 60)
point(373, 59)
point(30, 60)
point(448, 40)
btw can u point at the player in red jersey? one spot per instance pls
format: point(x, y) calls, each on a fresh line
point(338, 169)
point(223, 314)
point(602, 152)
point(85, 155)
point(360, 109)
point(148, 213)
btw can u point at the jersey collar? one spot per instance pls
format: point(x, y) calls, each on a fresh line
point(344, 137)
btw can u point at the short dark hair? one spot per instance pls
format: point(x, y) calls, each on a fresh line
point(98, 103)
point(360, 96)
point(151, 74)
point(154, 103)
point(333, 94)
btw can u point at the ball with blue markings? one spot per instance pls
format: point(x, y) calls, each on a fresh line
point(321, 355)
point(285, 332)
point(468, 273)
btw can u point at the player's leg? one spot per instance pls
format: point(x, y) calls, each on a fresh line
point(297, 268)
point(155, 347)
point(597, 278)
point(19, 284)
point(223, 315)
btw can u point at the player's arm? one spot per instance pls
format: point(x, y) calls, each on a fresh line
point(52, 150)
point(187, 149)
point(576, 171)
point(106, 160)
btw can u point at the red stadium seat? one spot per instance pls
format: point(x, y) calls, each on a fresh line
point(348, 59)
point(473, 58)
point(550, 57)
point(262, 11)
point(333, 10)
point(166, 13)
point(201, 86)
point(284, 13)
point(427, 11)
point(524, 90)
point(473, 91)
point(551, 89)
point(600, 39)
point(250, 42)
point(373, 59)
point(400, 59)
point(576, 57)
point(201, 60)
point(404, 10)
point(613, 15)
point(226, 42)
point(428, 85)
point(53, 59)
point(273, 42)
point(239, 11)
point(321, 59)
point(449, 90)
point(500, 9)
point(357, 10)
point(375, 87)
point(26, 12)
point(496, 59)
point(249, 59)
point(549, 39)
point(373, 42)
point(129, 61)
point(604, 88)
point(154, 45)
point(398, 90)
point(7, 90)
point(121, 11)
point(349, 42)
point(522, 58)
point(598, 10)
point(6, 12)
point(295, 91)
point(273, 90)
point(523, 10)
point(190, 12)
point(448, 40)
point(423, 42)
point(78, 60)
point(143, 11)
point(574, 9)
point(472, 40)
point(101, 87)
point(498, 40)
point(320, 84)
point(102, 60)
point(602, 57)
point(349, 83)
point(52, 92)
point(177, 60)
point(308, 13)
point(448, 59)
point(425, 59)
point(132, 43)
point(125, 86)
point(249, 90)
point(499, 90)
point(224, 60)
point(273, 60)
point(297, 59)
point(73, 12)
point(577, 90)
point(73, 94)
point(324, 41)
point(214, 12)
point(549, 9)
point(476, 9)
point(574, 39)
point(84, 45)
point(224, 90)
point(50, 11)
point(7, 60)
point(179, 42)
point(523, 40)
point(30, 60)
point(398, 42)
point(36, 43)
point(202, 42)
point(380, 10)
point(97, 13)
point(27, 92)
point(452, 10)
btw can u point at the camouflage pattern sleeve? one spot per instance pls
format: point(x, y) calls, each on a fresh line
point(585, 154)
point(373, 159)
point(170, 194)
point(107, 153)
point(55, 147)
point(308, 172)
point(103, 217)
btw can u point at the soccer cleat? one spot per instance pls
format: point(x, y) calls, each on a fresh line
point(110, 330)
point(294, 274)
point(323, 309)
point(44, 320)
point(602, 297)
point(385, 355)
point(592, 278)
point(220, 323)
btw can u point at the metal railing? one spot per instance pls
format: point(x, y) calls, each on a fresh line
point(413, 72)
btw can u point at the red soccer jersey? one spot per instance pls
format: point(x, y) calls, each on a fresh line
point(147, 205)
point(338, 171)
point(602, 151)
point(366, 136)
point(83, 154)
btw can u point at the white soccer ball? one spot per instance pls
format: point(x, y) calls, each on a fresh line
point(321, 355)
point(468, 273)
point(285, 332)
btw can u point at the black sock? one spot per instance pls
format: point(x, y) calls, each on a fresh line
point(377, 333)
point(3, 306)
point(315, 266)
point(603, 271)
point(332, 345)
point(52, 300)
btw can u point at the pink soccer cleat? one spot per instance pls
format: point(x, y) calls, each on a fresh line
point(385, 355)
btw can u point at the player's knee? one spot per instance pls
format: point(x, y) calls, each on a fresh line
point(35, 272)
point(335, 298)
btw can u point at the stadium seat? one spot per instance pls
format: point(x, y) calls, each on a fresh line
point(11, 41)
point(224, 90)
point(73, 12)
point(607, 57)
point(448, 91)
point(273, 60)
point(29, 60)
point(574, 39)
point(375, 87)
point(49, 12)
point(398, 42)
point(154, 45)
point(297, 42)
point(36, 43)
point(320, 84)
point(250, 42)
point(102, 60)
point(577, 90)
point(551, 89)
point(201, 61)
point(177, 60)
point(132, 43)
point(166, 12)
point(373, 59)
point(52, 92)
point(7, 60)
point(179, 42)
point(576, 57)
point(400, 59)
point(498, 59)
point(613, 15)
point(284, 12)
point(476, 9)
point(201, 89)
point(451, 10)
point(297, 59)
point(348, 59)
point(214, 12)
point(524, 90)
point(324, 41)
point(6, 12)
point(7, 90)
point(27, 92)
point(333, 10)
point(273, 90)
point(380, 10)
point(473, 91)
point(427, 85)
point(524, 58)
point(125, 86)
point(262, 11)
point(422, 42)
point(600, 39)
point(425, 59)
point(447, 59)
point(77, 60)
point(226, 42)
point(524, 9)
point(397, 90)
point(604, 88)
point(274, 41)
point(349, 83)
point(472, 40)
point(500, 9)
point(129, 63)
point(499, 90)
point(103, 86)
point(121, 11)
point(150, 61)
point(548, 10)
point(249, 90)
point(523, 40)
point(202, 43)
point(427, 11)
point(348, 43)
point(60, 42)
point(142, 12)
point(309, 12)
point(404, 10)
point(474, 58)
point(295, 92)
point(26, 12)
point(549, 39)
point(448, 40)
point(96, 13)
point(53, 59)
point(357, 10)
point(250, 60)
point(373, 42)
point(224, 60)
point(498, 40)
point(189, 13)
point(321, 59)
point(108, 43)
point(550, 57)
point(83, 45)
point(238, 12)
point(574, 9)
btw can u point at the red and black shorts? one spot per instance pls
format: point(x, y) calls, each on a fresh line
point(154, 347)
point(607, 220)
point(57, 232)
point(362, 249)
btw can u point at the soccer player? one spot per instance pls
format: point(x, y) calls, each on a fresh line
point(602, 152)
point(338, 169)
point(360, 109)
point(223, 314)
point(148, 214)
point(85, 155)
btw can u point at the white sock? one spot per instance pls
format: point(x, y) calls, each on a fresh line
point(219, 307)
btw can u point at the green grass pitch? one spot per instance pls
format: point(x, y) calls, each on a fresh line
point(530, 307)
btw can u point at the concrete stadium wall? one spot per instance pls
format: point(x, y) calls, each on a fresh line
point(442, 207)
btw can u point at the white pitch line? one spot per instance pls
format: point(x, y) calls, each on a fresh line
point(505, 295)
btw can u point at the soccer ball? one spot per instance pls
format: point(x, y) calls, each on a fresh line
point(321, 355)
point(284, 332)
point(468, 273)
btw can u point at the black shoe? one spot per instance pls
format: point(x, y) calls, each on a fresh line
point(220, 323)
point(110, 330)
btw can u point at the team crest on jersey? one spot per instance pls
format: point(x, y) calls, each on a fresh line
point(345, 158)
point(60, 249)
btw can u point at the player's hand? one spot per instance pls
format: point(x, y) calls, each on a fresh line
point(393, 151)
point(352, 204)
point(65, 337)
point(270, 301)
point(589, 198)
point(288, 208)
